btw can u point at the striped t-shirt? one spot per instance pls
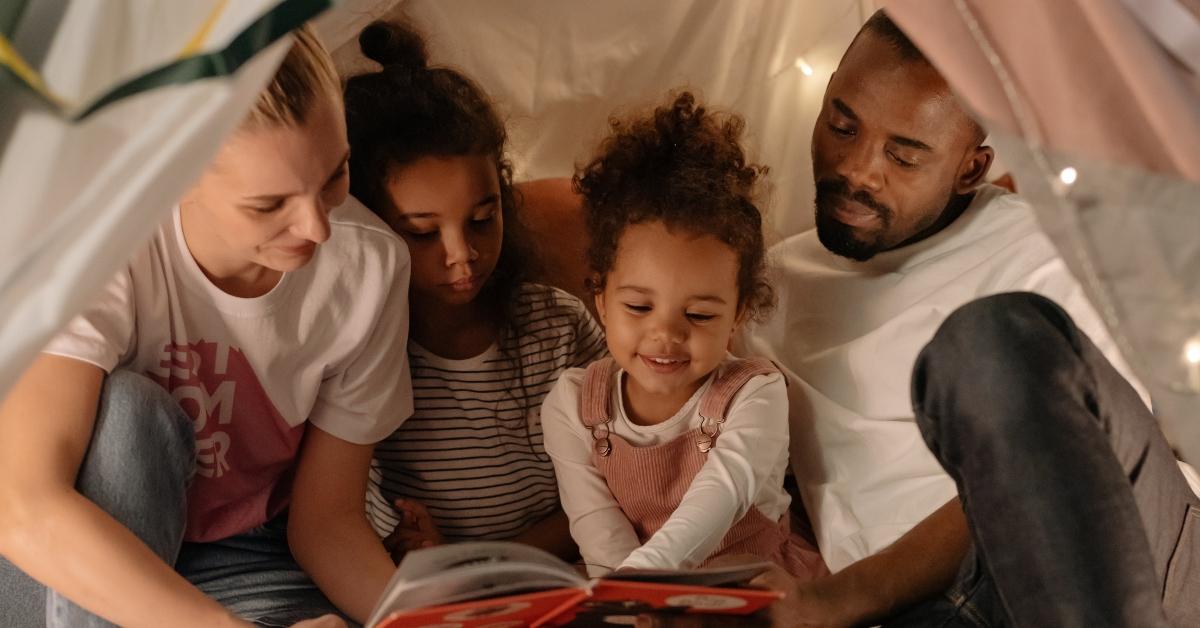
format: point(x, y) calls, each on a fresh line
point(472, 451)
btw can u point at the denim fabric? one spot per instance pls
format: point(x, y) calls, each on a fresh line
point(137, 467)
point(1076, 505)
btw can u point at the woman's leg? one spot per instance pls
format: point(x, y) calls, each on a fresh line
point(255, 576)
point(136, 469)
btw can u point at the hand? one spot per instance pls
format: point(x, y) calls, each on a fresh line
point(415, 530)
point(805, 604)
point(324, 621)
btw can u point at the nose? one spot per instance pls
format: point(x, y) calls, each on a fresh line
point(312, 223)
point(860, 165)
point(668, 328)
point(458, 248)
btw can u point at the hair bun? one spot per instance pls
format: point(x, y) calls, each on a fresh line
point(392, 44)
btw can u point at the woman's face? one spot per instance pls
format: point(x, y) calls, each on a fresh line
point(264, 202)
point(448, 211)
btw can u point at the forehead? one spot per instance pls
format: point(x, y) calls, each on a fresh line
point(436, 184)
point(895, 95)
point(674, 261)
point(281, 158)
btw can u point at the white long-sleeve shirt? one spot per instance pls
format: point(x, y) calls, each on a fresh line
point(745, 468)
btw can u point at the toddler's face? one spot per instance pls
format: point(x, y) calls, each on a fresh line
point(669, 307)
point(448, 211)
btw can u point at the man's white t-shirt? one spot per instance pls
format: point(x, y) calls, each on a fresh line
point(326, 345)
point(847, 335)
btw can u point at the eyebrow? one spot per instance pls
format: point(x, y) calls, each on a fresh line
point(841, 106)
point(333, 175)
point(483, 202)
point(701, 297)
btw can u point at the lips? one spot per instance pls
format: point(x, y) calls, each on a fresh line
point(855, 214)
point(466, 284)
point(664, 364)
point(303, 250)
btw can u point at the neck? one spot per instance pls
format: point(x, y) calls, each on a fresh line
point(648, 408)
point(238, 278)
point(454, 332)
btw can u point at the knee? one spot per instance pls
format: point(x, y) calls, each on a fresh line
point(989, 360)
point(139, 420)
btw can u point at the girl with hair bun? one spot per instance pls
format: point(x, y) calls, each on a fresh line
point(485, 346)
point(671, 452)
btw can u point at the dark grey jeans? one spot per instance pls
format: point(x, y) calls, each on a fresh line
point(1079, 514)
point(136, 469)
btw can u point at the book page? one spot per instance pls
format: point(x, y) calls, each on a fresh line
point(447, 574)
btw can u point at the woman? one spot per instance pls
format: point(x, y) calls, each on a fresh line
point(239, 369)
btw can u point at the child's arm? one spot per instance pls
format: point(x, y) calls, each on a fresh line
point(604, 535)
point(553, 534)
point(56, 535)
point(752, 446)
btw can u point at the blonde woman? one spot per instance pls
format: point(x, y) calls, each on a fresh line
point(220, 400)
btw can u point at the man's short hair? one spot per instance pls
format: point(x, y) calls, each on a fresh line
point(884, 27)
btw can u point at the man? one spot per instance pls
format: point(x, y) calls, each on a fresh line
point(1075, 510)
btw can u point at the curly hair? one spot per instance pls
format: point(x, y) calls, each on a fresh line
point(408, 111)
point(682, 165)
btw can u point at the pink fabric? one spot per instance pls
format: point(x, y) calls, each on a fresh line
point(1087, 78)
point(649, 482)
point(243, 467)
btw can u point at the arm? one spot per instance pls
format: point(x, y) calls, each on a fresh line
point(46, 424)
point(919, 565)
point(553, 534)
point(328, 529)
point(604, 535)
point(750, 450)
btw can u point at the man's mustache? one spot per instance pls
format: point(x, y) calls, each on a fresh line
point(830, 189)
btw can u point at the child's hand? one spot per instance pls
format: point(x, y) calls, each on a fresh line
point(415, 530)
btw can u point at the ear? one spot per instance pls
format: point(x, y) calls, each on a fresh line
point(973, 169)
point(743, 314)
point(599, 300)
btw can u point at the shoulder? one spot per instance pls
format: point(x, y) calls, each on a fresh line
point(362, 239)
point(545, 310)
point(562, 402)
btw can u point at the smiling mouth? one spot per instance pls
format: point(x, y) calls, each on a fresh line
point(664, 365)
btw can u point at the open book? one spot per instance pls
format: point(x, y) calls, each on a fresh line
point(469, 585)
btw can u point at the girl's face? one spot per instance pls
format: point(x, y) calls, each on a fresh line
point(264, 202)
point(669, 308)
point(448, 211)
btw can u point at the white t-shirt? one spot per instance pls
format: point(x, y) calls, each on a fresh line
point(744, 468)
point(847, 335)
point(326, 345)
point(472, 452)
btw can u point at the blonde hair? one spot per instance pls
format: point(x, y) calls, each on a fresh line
point(306, 74)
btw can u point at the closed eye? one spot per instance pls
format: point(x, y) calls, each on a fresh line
point(700, 318)
point(901, 162)
point(422, 235)
point(637, 309)
point(841, 131)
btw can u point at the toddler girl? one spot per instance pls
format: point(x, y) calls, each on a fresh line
point(671, 452)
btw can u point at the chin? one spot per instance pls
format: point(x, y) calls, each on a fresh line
point(843, 240)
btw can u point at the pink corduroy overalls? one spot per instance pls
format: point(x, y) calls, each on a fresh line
point(649, 482)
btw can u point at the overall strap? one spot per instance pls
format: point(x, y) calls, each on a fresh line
point(714, 405)
point(594, 400)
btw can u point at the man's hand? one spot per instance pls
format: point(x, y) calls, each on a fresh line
point(415, 530)
point(807, 604)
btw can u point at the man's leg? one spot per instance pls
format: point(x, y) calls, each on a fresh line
point(136, 469)
point(255, 576)
point(1075, 501)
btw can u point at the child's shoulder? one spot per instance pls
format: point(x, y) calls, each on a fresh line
point(541, 308)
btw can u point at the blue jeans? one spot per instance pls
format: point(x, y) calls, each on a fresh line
point(1079, 514)
point(137, 468)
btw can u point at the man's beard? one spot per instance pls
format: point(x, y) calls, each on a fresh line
point(839, 238)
